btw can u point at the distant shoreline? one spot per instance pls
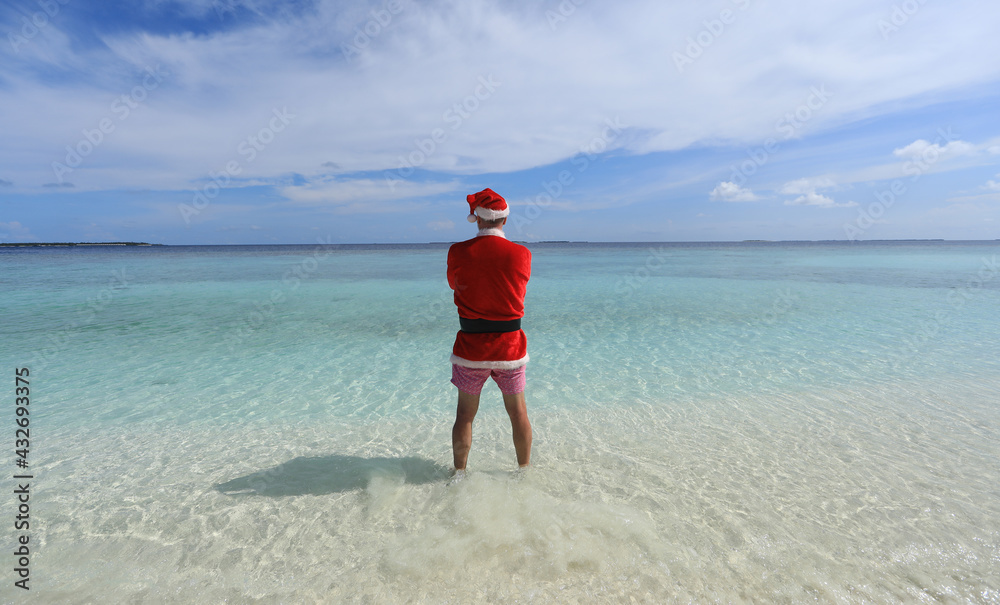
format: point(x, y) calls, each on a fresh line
point(42, 244)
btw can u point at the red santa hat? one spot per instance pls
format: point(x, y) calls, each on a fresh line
point(487, 204)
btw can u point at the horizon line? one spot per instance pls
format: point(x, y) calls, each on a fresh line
point(743, 241)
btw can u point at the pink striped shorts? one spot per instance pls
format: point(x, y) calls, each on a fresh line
point(471, 380)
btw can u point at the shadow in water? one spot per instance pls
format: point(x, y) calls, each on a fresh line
point(319, 475)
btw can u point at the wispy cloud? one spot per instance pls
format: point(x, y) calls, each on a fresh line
point(363, 117)
point(817, 199)
point(922, 149)
point(993, 185)
point(448, 92)
point(806, 185)
point(919, 157)
point(441, 225)
point(361, 193)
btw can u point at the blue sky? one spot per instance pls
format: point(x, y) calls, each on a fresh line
point(252, 121)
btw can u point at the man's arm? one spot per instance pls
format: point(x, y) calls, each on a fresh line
point(452, 269)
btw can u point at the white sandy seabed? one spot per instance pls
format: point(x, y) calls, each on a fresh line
point(834, 497)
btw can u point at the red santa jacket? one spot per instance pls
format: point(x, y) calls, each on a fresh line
point(489, 275)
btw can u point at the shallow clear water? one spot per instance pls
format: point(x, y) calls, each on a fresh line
point(731, 422)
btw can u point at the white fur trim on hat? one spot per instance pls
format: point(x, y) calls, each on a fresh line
point(492, 215)
point(492, 365)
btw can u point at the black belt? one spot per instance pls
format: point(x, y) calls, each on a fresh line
point(479, 326)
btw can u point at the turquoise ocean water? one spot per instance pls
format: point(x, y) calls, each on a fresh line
point(757, 422)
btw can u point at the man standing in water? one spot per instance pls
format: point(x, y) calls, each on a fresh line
point(489, 275)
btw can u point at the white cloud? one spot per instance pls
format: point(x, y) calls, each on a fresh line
point(731, 192)
point(816, 199)
point(994, 185)
point(364, 113)
point(872, 169)
point(805, 189)
point(805, 185)
point(931, 152)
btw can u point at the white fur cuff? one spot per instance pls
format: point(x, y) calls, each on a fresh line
point(491, 215)
point(492, 365)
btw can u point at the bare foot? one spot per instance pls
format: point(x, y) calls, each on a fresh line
point(456, 476)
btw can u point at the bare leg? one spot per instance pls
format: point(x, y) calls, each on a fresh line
point(461, 433)
point(518, 411)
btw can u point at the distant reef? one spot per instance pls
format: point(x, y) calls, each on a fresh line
point(44, 244)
